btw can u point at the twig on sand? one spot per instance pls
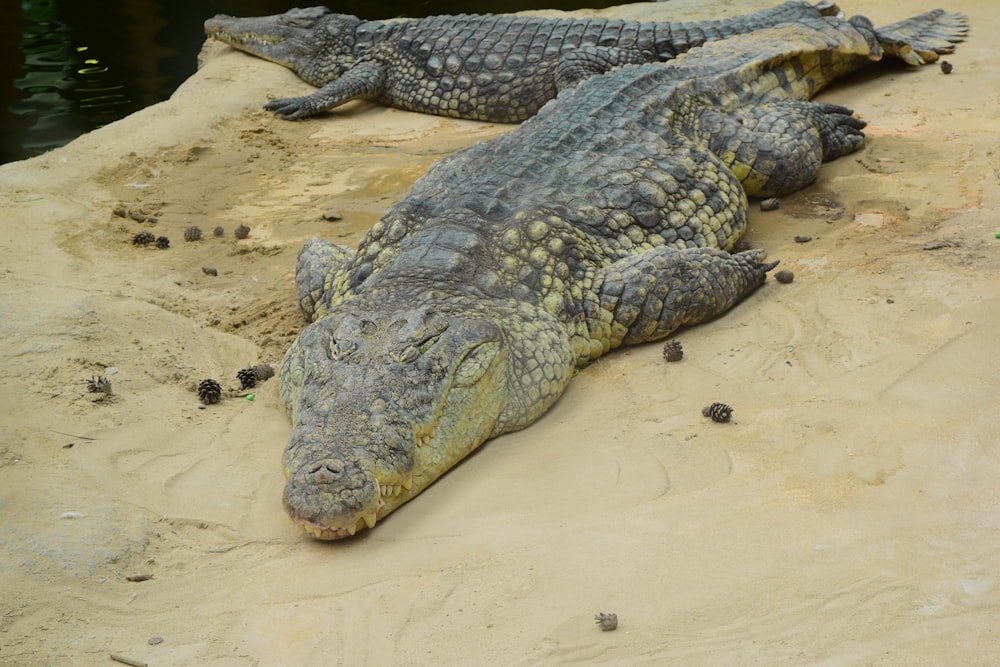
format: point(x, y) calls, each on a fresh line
point(72, 435)
point(128, 661)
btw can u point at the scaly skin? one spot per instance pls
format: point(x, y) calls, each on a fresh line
point(465, 309)
point(499, 68)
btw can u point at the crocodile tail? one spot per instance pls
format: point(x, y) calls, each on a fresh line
point(921, 39)
point(672, 38)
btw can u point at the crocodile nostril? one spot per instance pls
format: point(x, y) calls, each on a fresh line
point(325, 472)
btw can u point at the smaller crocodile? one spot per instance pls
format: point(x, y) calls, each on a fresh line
point(465, 309)
point(492, 67)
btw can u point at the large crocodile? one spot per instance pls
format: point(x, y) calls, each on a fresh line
point(499, 68)
point(466, 308)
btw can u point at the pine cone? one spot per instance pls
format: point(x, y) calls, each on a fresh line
point(673, 350)
point(247, 378)
point(99, 385)
point(143, 238)
point(209, 391)
point(192, 234)
point(719, 412)
point(162, 242)
point(606, 622)
point(242, 232)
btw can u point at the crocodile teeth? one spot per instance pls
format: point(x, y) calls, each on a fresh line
point(369, 519)
point(353, 528)
point(407, 483)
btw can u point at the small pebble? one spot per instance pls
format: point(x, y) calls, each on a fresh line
point(771, 204)
point(241, 232)
point(153, 641)
point(946, 67)
point(784, 276)
point(218, 231)
point(803, 239)
point(209, 271)
point(331, 215)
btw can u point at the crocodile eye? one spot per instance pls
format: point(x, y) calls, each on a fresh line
point(341, 348)
point(410, 352)
point(407, 355)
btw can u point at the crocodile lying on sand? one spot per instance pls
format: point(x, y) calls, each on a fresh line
point(499, 68)
point(466, 308)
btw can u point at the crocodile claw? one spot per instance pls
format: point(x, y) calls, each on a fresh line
point(289, 108)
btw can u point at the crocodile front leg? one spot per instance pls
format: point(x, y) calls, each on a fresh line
point(317, 265)
point(364, 81)
point(645, 297)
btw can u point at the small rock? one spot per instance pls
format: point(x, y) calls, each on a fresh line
point(209, 271)
point(946, 67)
point(331, 215)
point(241, 232)
point(803, 239)
point(153, 641)
point(875, 220)
point(219, 231)
point(784, 276)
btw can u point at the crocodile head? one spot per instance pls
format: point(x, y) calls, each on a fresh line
point(382, 403)
point(315, 43)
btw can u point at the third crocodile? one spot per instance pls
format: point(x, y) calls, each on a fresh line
point(466, 308)
point(499, 68)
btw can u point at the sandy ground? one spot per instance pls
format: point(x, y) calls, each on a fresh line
point(849, 515)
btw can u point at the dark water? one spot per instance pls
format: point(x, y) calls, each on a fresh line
point(70, 66)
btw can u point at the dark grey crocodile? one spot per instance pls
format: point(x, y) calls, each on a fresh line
point(499, 68)
point(466, 308)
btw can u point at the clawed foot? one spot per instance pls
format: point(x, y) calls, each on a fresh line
point(840, 131)
point(290, 108)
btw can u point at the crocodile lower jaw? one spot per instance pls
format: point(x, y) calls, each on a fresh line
point(324, 533)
